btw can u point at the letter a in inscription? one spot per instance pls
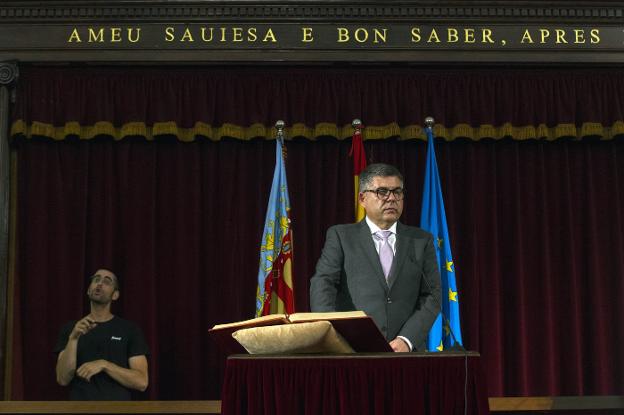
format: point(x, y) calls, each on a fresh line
point(74, 37)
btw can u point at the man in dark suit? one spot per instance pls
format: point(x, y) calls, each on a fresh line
point(381, 266)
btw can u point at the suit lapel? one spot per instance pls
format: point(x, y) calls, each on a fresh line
point(370, 253)
point(402, 248)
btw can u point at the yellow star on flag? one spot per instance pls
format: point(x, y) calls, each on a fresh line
point(452, 295)
point(440, 347)
point(449, 266)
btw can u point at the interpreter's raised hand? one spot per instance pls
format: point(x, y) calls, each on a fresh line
point(83, 326)
point(399, 345)
point(90, 369)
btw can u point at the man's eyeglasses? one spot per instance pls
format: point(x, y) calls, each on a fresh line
point(104, 280)
point(383, 193)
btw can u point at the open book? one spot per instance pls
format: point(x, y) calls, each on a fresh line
point(355, 327)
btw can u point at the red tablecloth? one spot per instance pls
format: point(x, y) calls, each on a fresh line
point(380, 384)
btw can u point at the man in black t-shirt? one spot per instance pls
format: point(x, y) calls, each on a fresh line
point(102, 356)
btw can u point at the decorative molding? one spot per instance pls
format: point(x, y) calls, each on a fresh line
point(304, 31)
point(530, 404)
point(156, 11)
point(9, 72)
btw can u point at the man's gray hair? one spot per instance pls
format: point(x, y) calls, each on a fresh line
point(377, 170)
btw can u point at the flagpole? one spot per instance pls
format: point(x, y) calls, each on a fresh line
point(357, 125)
point(279, 126)
point(429, 122)
point(279, 136)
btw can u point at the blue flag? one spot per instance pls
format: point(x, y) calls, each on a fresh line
point(433, 219)
point(275, 283)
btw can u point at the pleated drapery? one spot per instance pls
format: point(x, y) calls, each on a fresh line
point(163, 175)
point(537, 231)
point(245, 103)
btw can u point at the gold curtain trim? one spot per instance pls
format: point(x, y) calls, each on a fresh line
point(410, 132)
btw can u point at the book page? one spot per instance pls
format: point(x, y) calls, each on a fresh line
point(332, 315)
point(267, 320)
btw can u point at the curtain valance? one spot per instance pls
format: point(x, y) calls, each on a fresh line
point(244, 103)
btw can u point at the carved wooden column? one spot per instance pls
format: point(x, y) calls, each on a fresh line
point(8, 77)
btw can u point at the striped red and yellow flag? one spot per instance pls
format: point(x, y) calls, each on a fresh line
point(359, 164)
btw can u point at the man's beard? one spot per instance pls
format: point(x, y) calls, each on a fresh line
point(101, 299)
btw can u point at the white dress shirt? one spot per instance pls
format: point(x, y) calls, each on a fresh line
point(392, 241)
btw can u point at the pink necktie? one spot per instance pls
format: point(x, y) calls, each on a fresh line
point(386, 255)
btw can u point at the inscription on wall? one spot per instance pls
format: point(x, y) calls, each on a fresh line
point(313, 37)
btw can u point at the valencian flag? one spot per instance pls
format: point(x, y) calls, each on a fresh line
point(433, 219)
point(275, 283)
point(359, 164)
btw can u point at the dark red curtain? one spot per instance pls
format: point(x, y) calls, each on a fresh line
point(536, 226)
point(245, 102)
point(537, 232)
point(393, 384)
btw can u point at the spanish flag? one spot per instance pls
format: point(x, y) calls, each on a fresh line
point(359, 164)
point(275, 283)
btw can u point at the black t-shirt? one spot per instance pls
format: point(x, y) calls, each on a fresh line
point(116, 340)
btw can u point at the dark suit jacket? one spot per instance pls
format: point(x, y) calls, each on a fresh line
point(349, 277)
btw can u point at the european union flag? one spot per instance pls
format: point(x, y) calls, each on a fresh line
point(433, 219)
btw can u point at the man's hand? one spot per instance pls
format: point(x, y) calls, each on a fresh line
point(66, 362)
point(399, 345)
point(83, 326)
point(90, 369)
point(134, 377)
